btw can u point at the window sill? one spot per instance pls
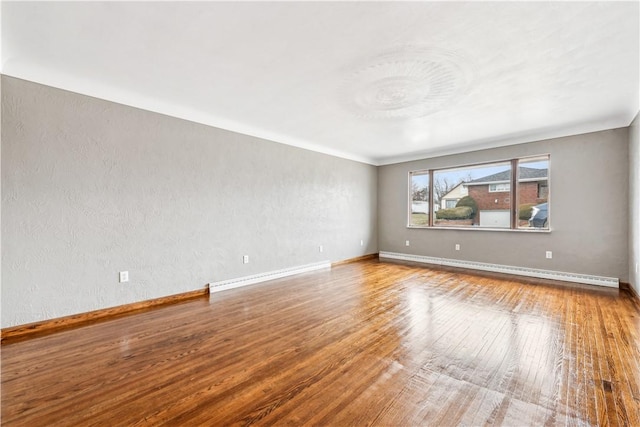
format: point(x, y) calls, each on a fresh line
point(516, 230)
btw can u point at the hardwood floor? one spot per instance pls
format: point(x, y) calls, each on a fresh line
point(368, 343)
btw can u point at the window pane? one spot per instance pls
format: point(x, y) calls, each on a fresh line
point(419, 196)
point(474, 196)
point(533, 193)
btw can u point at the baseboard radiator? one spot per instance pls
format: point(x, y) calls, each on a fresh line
point(263, 277)
point(508, 269)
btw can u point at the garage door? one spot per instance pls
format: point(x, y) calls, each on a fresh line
point(495, 219)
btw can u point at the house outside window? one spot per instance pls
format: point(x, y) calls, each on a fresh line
point(451, 198)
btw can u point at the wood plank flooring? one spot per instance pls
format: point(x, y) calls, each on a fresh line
point(368, 343)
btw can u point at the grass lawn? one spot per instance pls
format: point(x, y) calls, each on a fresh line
point(419, 219)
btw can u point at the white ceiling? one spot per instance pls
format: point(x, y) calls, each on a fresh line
point(378, 82)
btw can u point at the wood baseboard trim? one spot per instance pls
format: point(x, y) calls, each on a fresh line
point(356, 259)
point(32, 330)
point(627, 287)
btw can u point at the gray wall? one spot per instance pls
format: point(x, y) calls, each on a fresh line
point(90, 188)
point(634, 204)
point(589, 210)
point(1, 287)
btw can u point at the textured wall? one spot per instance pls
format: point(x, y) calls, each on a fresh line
point(589, 209)
point(90, 188)
point(1, 287)
point(634, 204)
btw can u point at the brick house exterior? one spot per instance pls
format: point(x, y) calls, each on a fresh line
point(491, 193)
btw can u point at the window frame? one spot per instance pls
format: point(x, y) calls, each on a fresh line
point(513, 195)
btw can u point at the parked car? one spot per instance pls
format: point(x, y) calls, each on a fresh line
point(539, 216)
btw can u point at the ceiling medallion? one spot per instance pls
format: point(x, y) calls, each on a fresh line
point(406, 82)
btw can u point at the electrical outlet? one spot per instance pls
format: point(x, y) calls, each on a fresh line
point(320, 249)
point(124, 276)
point(457, 246)
point(245, 259)
point(549, 254)
point(406, 243)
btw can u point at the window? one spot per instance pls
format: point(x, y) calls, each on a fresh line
point(451, 204)
point(499, 188)
point(543, 190)
point(533, 193)
point(419, 211)
point(478, 208)
point(511, 194)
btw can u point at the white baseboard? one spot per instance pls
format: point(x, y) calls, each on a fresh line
point(497, 268)
point(263, 277)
